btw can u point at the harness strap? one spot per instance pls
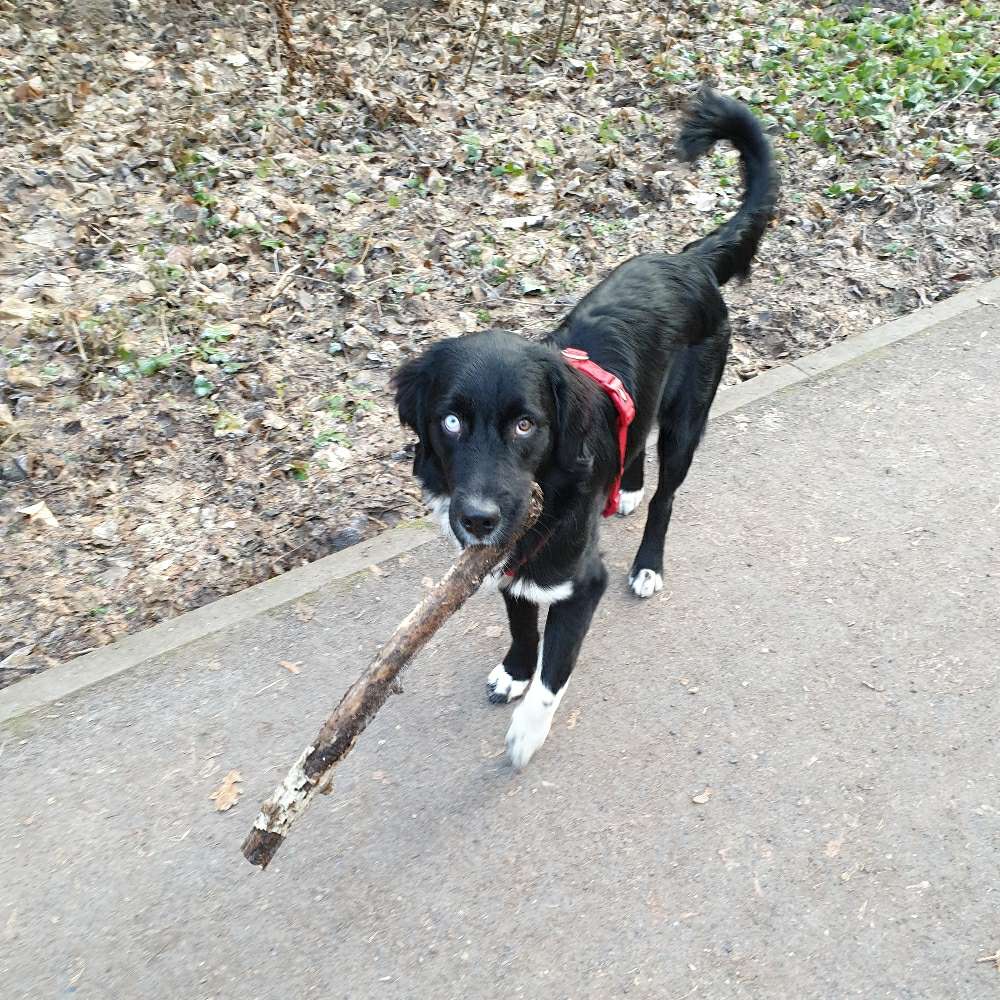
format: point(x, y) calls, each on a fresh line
point(624, 405)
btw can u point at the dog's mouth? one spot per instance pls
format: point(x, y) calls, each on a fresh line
point(497, 537)
point(464, 536)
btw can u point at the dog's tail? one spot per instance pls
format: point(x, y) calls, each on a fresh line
point(712, 117)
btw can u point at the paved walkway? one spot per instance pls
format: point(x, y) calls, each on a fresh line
point(823, 658)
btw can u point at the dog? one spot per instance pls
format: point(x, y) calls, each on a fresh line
point(495, 413)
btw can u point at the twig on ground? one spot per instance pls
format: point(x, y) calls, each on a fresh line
point(994, 958)
point(283, 282)
point(951, 100)
point(578, 17)
point(79, 340)
point(475, 44)
point(282, 21)
point(553, 55)
point(313, 771)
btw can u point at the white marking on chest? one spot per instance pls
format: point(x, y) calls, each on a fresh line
point(528, 590)
point(532, 719)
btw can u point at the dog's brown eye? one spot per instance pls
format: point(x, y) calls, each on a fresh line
point(524, 426)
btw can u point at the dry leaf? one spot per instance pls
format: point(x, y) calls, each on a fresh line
point(16, 310)
point(227, 794)
point(700, 800)
point(273, 420)
point(40, 512)
point(522, 221)
point(29, 90)
point(180, 256)
point(6, 417)
point(292, 666)
point(21, 378)
point(574, 717)
point(135, 62)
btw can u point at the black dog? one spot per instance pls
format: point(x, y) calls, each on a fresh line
point(495, 413)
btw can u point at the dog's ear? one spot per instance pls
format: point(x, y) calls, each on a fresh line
point(572, 419)
point(412, 384)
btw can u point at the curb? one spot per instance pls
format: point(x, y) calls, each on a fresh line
point(60, 682)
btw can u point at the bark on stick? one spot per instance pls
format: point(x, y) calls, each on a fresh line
point(313, 771)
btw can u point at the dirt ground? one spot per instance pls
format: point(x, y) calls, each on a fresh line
point(208, 270)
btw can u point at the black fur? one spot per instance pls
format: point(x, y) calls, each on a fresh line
point(660, 324)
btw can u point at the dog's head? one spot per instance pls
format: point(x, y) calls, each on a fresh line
point(494, 413)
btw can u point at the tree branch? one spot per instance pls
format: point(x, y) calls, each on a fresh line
point(313, 771)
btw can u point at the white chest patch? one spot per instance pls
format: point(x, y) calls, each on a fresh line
point(528, 590)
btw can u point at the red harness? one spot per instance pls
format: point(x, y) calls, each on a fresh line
point(625, 406)
point(612, 385)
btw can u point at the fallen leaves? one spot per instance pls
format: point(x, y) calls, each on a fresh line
point(292, 666)
point(21, 378)
point(40, 514)
point(29, 90)
point(273, 420)
point(702, 797)
point(227, 794)
point(135, 62)
point(16, 311)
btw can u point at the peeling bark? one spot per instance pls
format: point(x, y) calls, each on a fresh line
point(313, 771)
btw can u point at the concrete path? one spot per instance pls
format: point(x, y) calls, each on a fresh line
point(823, 659)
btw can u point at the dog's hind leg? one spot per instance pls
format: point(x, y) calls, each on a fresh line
point(632, 484)
point(646, 576)
point(565, 628)
point(509, 679)
point(682, 418)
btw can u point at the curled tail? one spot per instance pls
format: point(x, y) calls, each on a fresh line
point(730, 248)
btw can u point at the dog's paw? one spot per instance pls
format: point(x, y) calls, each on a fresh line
point(502, 688)
point(629, 500)
point(530, 723)
point(645, 583)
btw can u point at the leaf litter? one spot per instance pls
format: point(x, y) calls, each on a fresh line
point(227, 794)
point(208, 274)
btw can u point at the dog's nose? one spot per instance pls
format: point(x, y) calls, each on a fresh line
point(479, 517)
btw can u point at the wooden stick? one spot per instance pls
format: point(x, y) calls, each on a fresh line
point(313, 771)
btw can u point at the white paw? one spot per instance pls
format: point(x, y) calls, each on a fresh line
point(502, 687)
point(645, 583)
point(530, 723)
point(628, 500)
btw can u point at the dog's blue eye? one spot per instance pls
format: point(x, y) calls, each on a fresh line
point(452, 424)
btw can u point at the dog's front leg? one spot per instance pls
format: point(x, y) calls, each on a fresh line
point(565, 628)
point(508, 680)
